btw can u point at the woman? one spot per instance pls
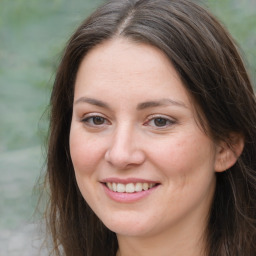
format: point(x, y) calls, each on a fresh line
point(152, 136)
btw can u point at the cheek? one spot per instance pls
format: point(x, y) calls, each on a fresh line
point(85, 152)
point(184, 155)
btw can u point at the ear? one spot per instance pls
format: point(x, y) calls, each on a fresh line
point(228, 152)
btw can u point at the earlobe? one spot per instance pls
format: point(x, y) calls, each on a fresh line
point(228, 152)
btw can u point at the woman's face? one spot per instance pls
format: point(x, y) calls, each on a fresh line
point(141, 162)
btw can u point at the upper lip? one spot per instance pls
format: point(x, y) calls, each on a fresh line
point(127, 180)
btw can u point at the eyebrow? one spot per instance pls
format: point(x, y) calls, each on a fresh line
point(140, 106)
point(92, 101)
point(159, 103)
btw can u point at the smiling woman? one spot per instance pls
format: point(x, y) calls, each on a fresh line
point(128, 145)
point(149, 151)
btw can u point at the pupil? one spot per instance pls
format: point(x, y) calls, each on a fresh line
point(98, 120)
point(160, 122)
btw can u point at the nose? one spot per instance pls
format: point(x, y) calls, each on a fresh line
point(124, 150)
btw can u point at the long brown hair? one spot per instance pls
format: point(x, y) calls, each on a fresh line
point(212, 71)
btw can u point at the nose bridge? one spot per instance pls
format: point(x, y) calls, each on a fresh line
point(123, 137)
point(124, 150)
point(123, 142)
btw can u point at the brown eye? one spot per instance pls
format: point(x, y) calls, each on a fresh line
point(94, 121)
point(98, 120)
point(159, 122)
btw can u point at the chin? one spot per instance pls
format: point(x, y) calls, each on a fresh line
point(128, 227)
point(127, 230)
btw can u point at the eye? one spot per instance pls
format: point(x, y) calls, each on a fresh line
point(159, 122)
point(95, 120)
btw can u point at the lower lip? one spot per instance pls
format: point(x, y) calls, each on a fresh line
point(128, 197)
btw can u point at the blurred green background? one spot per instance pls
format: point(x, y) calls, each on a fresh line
point(32, 36)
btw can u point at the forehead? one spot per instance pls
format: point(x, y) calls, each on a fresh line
point(126, 64)
point(119, 53)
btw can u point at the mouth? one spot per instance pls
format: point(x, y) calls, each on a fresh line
point(130, 187)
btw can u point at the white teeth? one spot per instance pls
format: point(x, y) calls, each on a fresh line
point(109, 185)
point(130, 187)
point(145, 186)
point(138, 187)
point(120, 187)
point(114, 187)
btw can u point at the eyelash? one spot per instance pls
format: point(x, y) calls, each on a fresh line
point(168, 121)
point(90, 121)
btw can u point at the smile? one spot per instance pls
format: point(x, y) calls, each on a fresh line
point(130, 187)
